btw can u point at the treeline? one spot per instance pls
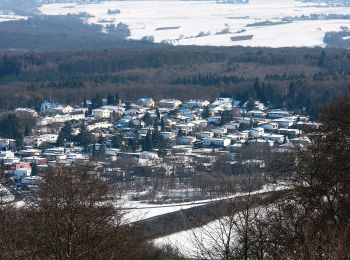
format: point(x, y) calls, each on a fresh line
point(297, 78)
point(62, 33)
point(209, 80)
point(16, 126)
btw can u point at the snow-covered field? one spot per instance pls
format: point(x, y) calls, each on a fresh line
point(189, 242)
point(208, 241)
point(180, 22)
point(137, 210)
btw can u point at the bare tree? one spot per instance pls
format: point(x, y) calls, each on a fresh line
point(311, 221)
point(75, 215)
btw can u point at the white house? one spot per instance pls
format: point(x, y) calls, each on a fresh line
point(283, 122)
point(197, 103)
point(100, 113)
point(245, 134)
point(277, 113)
point(185, 128)
point(256, 113)
point(8, 157)
point(138, 122)
point(145, 102)
point(112, 152)
point(36, 141)
point(6, 143)
point(222, 101)
point(214, 120)
point(232, 126)
point(62, 110)
point(256, 106)
point(219, 131)
point(270, 126)
point(186, 140)
point(182, 149)
point(169, 103)
point(47, 107)
point(236, 138)
point(118, 110)
point(202, 135)
point(243, 120)
point(26, 110)
point(99, 125)
point(261, 141)
point(274, 137)
point(200, 123)
point(256, 132)
point(60, 119)
point(216, 142)
point(289, 131)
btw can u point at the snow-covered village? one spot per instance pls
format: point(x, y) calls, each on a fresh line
point(187, 144)
point(174, 129)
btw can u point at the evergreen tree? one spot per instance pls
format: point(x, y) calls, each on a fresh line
point(19, 140)
point(10, 127)
point(117, 141)
point(110, 99)
point(147, 119)
point(101, 139)
point(133, 144)
point(116, 99)
point(162, 124)
point(127, 105)
point(2, 170)
point(97, 101)
point(156, 124)
point(147, 144)
point(65, 134)
point(102, 151)
point(163, 145)
point(34, 169)
point(158, 113)
point(94, 150)
point(156, 138)
point(84, 138)
point(88, 112)
point(180, 133)
point(257, 88)
point(322, 60)
point(226, 116)
point(206, 112)
point(27, 131)
point(251, 104)
point(85, 102)
point(251, 123)
point(263, 96)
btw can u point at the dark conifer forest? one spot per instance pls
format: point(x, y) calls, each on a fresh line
point(299, 79)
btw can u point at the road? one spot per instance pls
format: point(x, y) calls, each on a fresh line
point(181, 220)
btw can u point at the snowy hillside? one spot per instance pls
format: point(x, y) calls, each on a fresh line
point(272, 23)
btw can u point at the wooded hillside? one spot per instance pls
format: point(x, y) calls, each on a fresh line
point(289, 77)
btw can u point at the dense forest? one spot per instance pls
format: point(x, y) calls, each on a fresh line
point(294, 78)
point(63, 33)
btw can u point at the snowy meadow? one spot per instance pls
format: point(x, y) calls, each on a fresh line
point(273, 23)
